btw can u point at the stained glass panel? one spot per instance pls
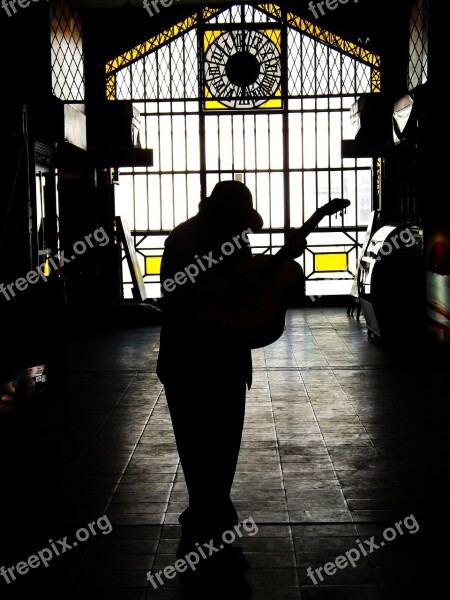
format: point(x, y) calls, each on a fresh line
point(287, 149)
point(67, 60)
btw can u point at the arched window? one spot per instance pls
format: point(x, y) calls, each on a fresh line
point(259, 94)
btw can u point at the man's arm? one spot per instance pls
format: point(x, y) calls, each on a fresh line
point(186, 284)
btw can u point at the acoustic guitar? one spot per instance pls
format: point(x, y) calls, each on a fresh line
point(257, 319)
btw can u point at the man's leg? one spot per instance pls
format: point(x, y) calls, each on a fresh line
point(208, 418)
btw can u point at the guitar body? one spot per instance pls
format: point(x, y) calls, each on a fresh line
point(257, 319)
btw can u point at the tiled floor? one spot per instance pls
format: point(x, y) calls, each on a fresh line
point(343, 438)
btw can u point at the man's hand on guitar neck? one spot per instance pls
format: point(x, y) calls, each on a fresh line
point(296, 246)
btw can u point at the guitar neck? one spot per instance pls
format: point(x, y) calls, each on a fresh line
point(286, 252)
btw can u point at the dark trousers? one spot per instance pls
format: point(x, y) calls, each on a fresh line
point(208, 417)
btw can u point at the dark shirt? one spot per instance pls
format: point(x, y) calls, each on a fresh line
point(190, 346)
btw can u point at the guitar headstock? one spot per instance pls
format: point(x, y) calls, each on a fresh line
point(295, 246)
point(334, 206)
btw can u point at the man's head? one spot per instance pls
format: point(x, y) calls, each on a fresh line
point(230, 206)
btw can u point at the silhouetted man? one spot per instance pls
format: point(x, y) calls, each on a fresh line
point(204, 368)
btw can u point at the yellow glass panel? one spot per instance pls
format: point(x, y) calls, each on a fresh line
point(209, 12)
point(111, 88)
point(153, 265)
point(274, 35)
point(275, 102)
point(376, 81)
point(214, 105)
point(330, 262)
point(379, 167)
point(272, 104)
point(209, 38)
point(272, 9)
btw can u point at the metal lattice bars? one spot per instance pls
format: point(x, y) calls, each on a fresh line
point(287, 150)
